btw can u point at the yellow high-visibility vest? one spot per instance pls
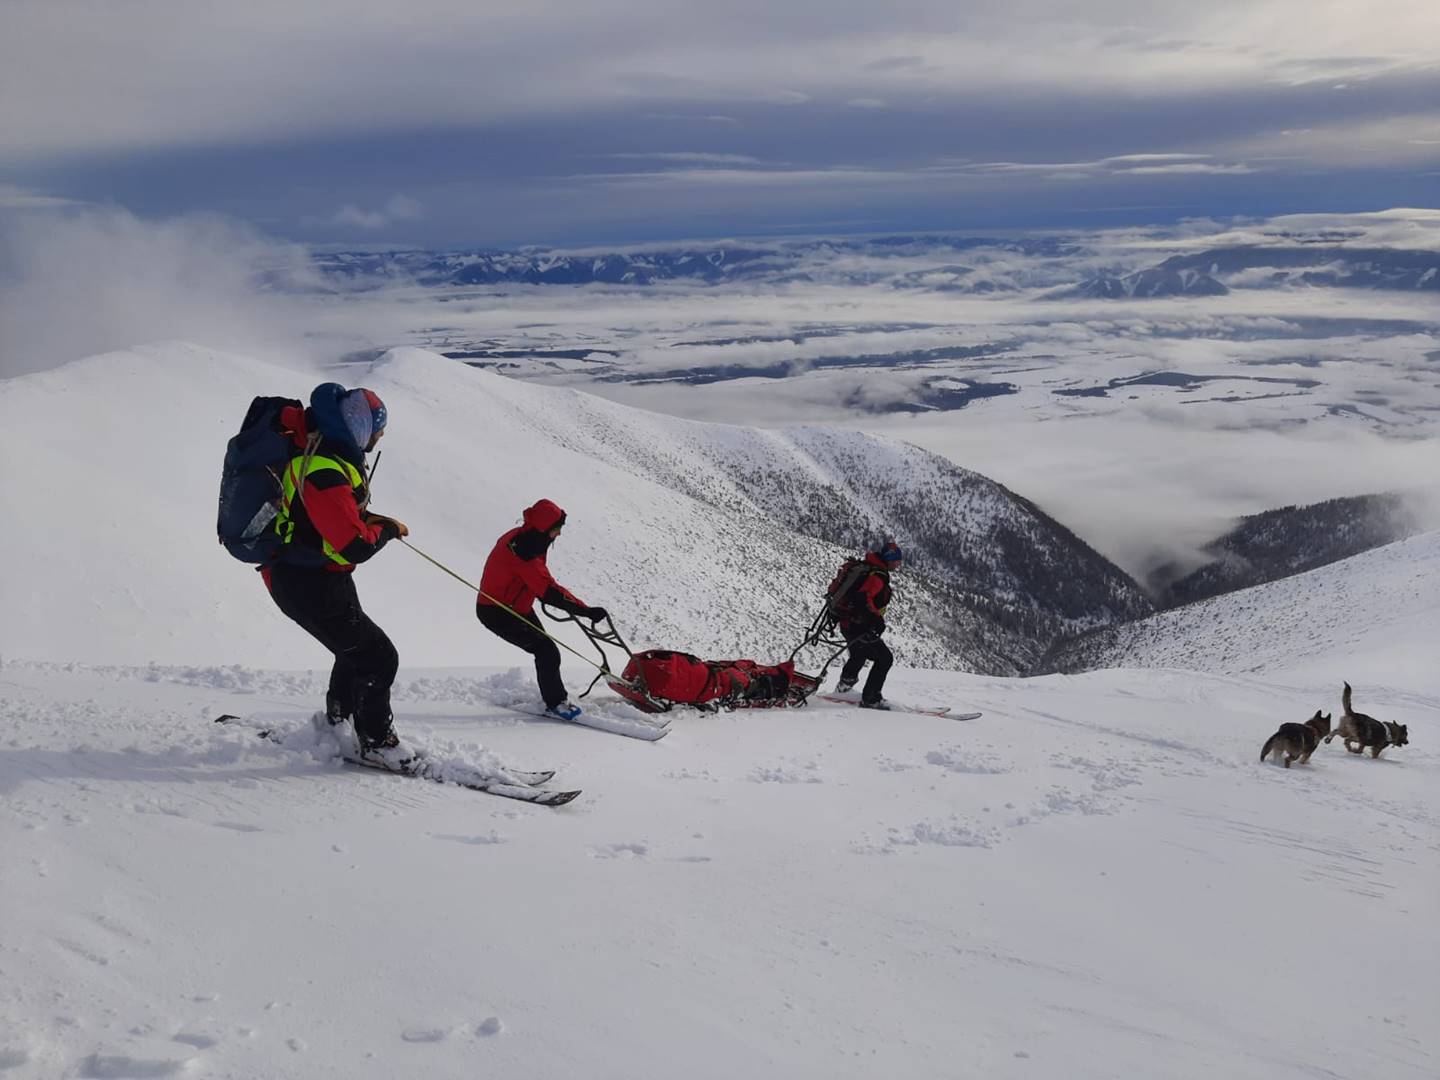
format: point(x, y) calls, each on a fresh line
point(296, 472)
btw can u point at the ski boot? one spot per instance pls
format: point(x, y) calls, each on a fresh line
point(387, 752)
point(565, 710)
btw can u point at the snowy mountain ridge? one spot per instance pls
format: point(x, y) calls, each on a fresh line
point(1289, 540)
point(1300, 623)
point(713, 539)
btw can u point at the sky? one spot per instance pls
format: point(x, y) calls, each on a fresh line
point(441, 123)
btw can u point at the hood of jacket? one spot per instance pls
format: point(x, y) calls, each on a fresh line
point(543, 516)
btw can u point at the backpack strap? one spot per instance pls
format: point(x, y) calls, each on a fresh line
point(297, 484)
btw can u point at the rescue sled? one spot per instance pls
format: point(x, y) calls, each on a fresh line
point(657, 680)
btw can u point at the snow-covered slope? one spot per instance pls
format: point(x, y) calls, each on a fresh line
point(696, 536)
point(1373, 615)
point(1095, 878)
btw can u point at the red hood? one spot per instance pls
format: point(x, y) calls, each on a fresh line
point(872, 558)
point(543, 516)
point(292, 418)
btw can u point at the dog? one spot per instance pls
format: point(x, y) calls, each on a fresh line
point(1296, 742)
point(1362, 731)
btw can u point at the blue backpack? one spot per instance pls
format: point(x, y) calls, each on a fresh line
point(250, 487)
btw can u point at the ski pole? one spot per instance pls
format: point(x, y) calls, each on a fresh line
point(506, 607)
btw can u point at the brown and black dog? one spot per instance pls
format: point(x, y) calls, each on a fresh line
point(1363, 731)
point(1296, 742)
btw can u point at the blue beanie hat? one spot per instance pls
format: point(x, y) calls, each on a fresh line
point(364, 414)
point(890, 552)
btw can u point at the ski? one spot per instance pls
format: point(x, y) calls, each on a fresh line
point(895, 706)
point(531, 777)
point(614, 725)
point(420, 768)
point(524, 786)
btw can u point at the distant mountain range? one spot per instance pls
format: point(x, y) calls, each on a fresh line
point(1217, 271)
point(1326, 265)
point(1062, 264)
point(779, 262)
point(1162, 280)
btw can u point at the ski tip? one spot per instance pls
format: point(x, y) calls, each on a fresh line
point(224, 718)
point(559, 798)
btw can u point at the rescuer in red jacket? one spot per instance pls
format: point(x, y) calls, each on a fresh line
point(515, 577)
point(326, 530)
point(861, 615)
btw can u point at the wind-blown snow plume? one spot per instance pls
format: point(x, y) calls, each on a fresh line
point(84, 281)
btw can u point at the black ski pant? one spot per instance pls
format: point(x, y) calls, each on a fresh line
point(525, 634)
point(327, 607)
point(866, 646)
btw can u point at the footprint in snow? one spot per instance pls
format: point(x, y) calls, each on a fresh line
point(620, 851)
point(425, 1035)
point(889, 764)
point(474, 841)
point(119, 1065)
point(958, 759)
point(200, 1042)
point(786, 774)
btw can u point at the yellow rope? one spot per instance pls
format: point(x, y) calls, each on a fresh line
point(501, 604)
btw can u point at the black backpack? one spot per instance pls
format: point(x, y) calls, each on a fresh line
point(250, 487)
point(840, 596)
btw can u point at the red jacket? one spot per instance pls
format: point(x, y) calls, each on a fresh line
point(517, 581)
point(329, 507)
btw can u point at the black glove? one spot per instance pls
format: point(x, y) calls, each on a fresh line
point(594, 614)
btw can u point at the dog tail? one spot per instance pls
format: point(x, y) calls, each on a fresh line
point(1345, 699)
point(1264, 750)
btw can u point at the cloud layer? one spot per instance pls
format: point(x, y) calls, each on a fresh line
point(511, 124)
